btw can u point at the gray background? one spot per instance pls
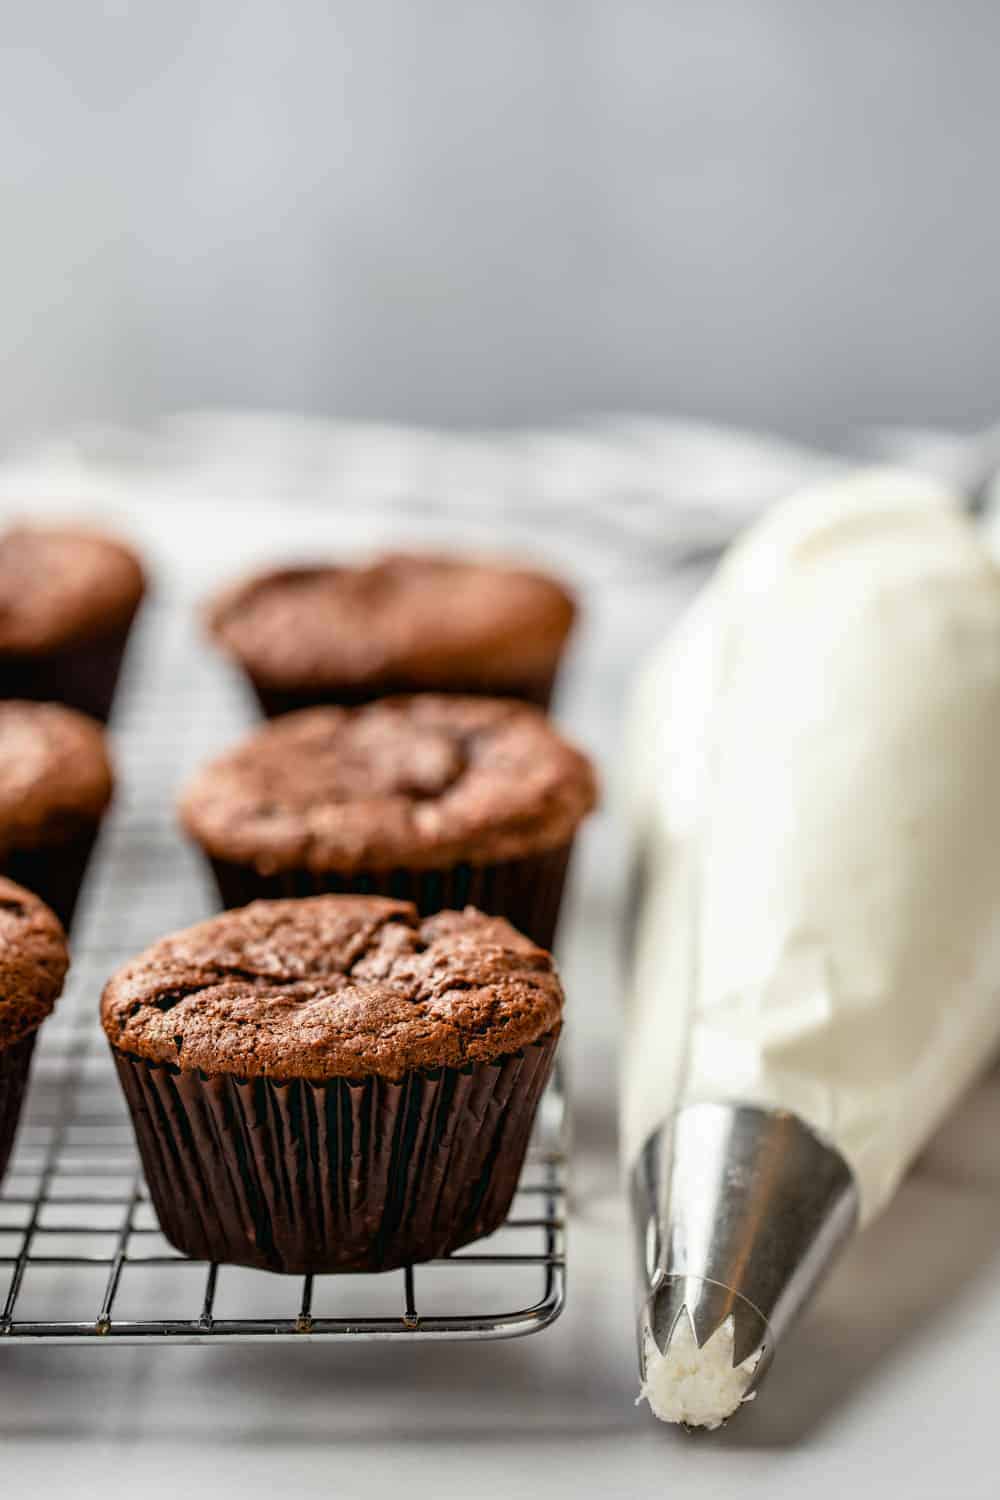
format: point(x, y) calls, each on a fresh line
point(779, 212)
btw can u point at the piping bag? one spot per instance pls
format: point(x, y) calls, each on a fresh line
point(814, 783)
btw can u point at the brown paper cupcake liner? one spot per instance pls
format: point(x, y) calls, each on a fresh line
point(83, 677)
point(274, 701)
point(15, 1065)
point(54, 871)
point(528, 892)
point(345, 1175)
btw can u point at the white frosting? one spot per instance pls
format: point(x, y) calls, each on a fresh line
point(816, 781)
point(699, 1387)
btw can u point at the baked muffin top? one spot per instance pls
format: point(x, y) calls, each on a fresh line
point(420, 782)
point(63, 585)
point(33, 962)
point(403, 622)
point(55, 775)
point(333, 987)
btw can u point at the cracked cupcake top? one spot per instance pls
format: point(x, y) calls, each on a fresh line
point(33, 962)
point(62, 584)
point(55, 775)
point(400, 621)
point(423, 782)
point(333, 987)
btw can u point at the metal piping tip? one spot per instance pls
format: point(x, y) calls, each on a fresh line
point(738, 1212)
point(702, 1352)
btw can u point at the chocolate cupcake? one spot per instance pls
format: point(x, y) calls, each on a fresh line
point(33, 964)
point(55, 785)
point(442, 801)
point(67, 601)
point(399, 624)
point(333, 1084)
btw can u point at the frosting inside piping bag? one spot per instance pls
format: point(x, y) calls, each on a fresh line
point(815, 777)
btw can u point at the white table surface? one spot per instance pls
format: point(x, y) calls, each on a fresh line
point(888, 1384)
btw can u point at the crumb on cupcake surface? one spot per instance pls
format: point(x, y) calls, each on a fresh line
point(402, 620)
point(33, 961)
point(55, 773)
point(61, 585)
point(419, 782)
point(333, 986)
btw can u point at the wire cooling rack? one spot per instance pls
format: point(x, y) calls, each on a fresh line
point(81, 1255)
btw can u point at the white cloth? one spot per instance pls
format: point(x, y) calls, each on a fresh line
point(644, 493)
point(608, 496)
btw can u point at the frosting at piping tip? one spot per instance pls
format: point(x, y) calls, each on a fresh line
point(692, 1385)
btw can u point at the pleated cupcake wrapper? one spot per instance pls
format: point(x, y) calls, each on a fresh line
point(54, 871)
point(344, 1175)
point(274, 701)
point(528, 892)
point(83, 677)
point(15, 1065)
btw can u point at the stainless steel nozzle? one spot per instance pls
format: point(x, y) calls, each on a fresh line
point(738, 1212)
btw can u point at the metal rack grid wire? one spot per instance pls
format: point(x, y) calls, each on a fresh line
point(81, 1255)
